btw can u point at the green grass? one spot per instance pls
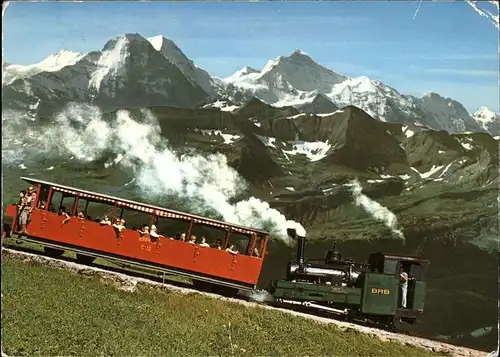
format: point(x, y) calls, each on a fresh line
point(49, 311)
point(99, 262)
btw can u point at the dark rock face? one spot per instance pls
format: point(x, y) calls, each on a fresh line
point(319, 105)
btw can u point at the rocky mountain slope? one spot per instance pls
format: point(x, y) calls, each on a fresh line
point(441, 187)
point(132, 71)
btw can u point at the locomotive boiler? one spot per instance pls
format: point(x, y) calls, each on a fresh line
point(332, 270)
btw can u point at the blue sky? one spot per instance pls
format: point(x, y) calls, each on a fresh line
point(448, 48)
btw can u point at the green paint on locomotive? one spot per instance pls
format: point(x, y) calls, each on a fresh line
point(380, 294)
point(301, 291)
point(417, 294)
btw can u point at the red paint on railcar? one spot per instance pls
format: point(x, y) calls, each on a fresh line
point(164, 252)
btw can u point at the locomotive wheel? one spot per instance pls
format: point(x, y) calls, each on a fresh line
point(53, 252)
point(84, 259)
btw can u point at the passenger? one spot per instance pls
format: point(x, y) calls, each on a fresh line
point(204, 242)
point(256, 253)
point(143, 230)
point(119, 225)
point(42, 205)
point(29, 205)
point(404, 287)
point(62, 212)
point(105, 221)
point(81, 215)
point(232, 249)
point(20, 209)
point(154, 232)
point(22, 201)
point(192, 240)
point(32, 196)
point(183, 236)
point(218, 244)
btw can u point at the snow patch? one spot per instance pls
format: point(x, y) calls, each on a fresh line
point(429, 173)
point(332, 113)
point(224, 106)
point(229, 138)
point(109, 62)
point(313, 150)
point(409, 133)
point(296, 116)
point(267, 141)
point(466, 146)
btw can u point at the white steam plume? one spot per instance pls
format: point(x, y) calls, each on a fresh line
point(204, 181)
point(375, 209)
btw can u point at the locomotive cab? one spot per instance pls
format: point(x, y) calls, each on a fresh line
point(414, 267)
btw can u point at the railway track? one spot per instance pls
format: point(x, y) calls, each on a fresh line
point(129, 276)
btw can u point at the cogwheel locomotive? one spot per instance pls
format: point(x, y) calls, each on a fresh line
point(389, 287)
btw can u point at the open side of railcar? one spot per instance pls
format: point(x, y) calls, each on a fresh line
point(55, 224)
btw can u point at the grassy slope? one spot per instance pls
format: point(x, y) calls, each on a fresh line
point(48, 311)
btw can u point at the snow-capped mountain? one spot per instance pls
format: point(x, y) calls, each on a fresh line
point(127, 72)
point(447, 114)
point(52, 63)
point(297, 80)
point(132, 71)
point(291, 80)
point(488, 120)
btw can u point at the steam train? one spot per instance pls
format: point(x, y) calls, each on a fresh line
point(368, 293)
point(62, 220)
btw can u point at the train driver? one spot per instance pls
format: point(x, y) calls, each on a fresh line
point(404, 287)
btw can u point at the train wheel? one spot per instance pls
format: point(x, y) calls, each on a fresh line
point(84, 259)
point(202, 286)
point(225, 291)
point(53, 252)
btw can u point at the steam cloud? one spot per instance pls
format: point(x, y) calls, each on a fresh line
point(375, 209)
point(201, 181)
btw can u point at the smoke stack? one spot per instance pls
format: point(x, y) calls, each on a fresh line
point(301, 243)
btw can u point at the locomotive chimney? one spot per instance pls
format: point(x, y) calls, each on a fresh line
point(301, 243)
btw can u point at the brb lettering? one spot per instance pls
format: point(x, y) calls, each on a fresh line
point(381, 291)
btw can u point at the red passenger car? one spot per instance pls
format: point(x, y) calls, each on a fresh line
point(81, 230)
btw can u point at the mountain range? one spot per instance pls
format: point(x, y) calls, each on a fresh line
point(297, 133)
point(132, 71)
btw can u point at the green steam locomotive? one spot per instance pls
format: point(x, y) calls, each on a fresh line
point(389, 289)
